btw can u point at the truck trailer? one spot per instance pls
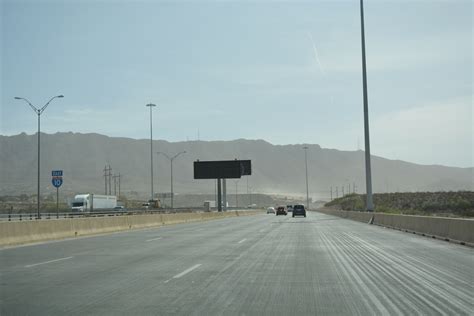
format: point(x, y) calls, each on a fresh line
point(93, 202)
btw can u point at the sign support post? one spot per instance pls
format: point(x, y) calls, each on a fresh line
point(219, 196)
point(57, 202)
point(57, 181)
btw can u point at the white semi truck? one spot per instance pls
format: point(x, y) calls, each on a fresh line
point(93, 202)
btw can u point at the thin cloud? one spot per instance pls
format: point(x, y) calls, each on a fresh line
point(316, 55)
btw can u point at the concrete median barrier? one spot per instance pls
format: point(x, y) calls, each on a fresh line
point(22, 232)
point(453, 229)
point(30, 231)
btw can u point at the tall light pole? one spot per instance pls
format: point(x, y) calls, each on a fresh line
point(368, 172)
point(171, 162)
point(151, 105)
point(39, 111)
point(306, 164)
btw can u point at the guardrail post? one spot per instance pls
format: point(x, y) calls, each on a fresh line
point(49, 216)
point(31, 217)
point(20, 217)
point(9, 217)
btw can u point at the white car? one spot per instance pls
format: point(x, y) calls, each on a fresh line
point(271, 210)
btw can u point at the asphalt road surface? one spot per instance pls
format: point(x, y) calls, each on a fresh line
point(264, 264)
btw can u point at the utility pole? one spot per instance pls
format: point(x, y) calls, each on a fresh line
point(337, 192)
point(110, 179)
point(331, 193)
point(105, 177)
point(115, 184)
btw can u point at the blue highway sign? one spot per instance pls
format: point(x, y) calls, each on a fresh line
point(57, 181)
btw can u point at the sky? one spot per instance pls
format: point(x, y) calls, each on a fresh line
point(286, 72)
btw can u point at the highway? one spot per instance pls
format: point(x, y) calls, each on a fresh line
point(252, 265)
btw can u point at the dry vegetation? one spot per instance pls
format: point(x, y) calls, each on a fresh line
point(458, 204)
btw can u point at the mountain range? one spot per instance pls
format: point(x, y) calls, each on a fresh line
point(276, 169)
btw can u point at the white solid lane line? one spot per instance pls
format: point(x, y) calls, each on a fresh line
point(154, 239)
point(177, 276)
point(50, 261)
point(242, 240)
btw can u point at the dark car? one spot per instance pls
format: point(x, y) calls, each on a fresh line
point(289, 208)
point(281, 211)
point(299, 210)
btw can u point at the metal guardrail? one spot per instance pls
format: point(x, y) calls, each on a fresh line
point(53, 215)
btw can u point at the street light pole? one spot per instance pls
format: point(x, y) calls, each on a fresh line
point(368, 172)
point(306, 164)
point(39, 111)
point(151, 105)
point(171, 162)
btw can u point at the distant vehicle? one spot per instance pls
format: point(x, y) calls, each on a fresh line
point(252, 206)
point(146, 205)
point(281, 211)
point(93, 202)
point(299, 210)
point(271, 210)
point(120, 208)
point(289, 208)
point(208, 205)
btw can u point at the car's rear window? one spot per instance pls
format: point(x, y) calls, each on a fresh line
point(298, 207)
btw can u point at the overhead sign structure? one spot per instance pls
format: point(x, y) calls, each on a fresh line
point(57, 179)
point(222, 169)
point(246, 167)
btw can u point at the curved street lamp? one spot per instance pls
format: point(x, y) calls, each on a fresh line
point(171, 162)
point(39, 111)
